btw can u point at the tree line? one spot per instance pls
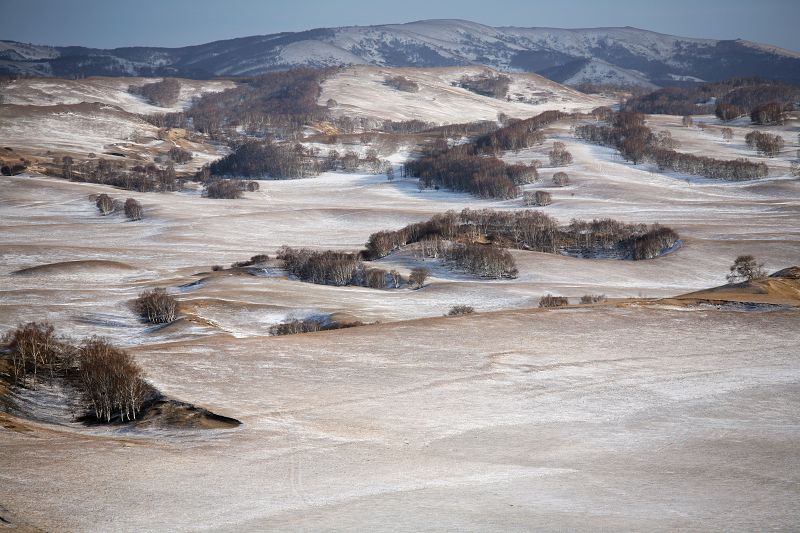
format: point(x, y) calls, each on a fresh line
point(529, 230)
point(473, 167)
point(627, 133)
point(728, 99)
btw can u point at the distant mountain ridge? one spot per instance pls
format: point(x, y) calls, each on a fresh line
point(573, 56)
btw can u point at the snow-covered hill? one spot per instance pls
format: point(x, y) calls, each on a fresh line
point(595, 55)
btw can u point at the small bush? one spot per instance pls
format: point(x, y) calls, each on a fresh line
point(156, 306)
point(258, 259)
point(253, 186)
point(105, 204)
point(133, 209)
point(746, 268)
point(401, 83)
point(561, 179)
point(223, 189)
point(294, 326)
point(179, 155)
point(559, 156)
point(593, 298)
point(549, 300)
point(460, 310)
point(418, 276)
point(217, 268)
point(537, 198)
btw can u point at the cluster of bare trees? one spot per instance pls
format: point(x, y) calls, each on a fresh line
point(258, 259)
point(537, 198)
point(548, 301)
point(162, 93)
point(350, 161)
point(732, 170)
point(105, 204)
point(593, 298)
point(731, 98)
point(473, 167)
point(156, 306)
point(461, 169)
point(770, 113)
point(746, 268)
point(280, 103)
point(336, 268)
point(637, 143)
point(179, 155)
point(36, 352)
point(765, 143)
point(228, 189)
point(518, 134)
point(728, 112)
point(111, 380)
point(133, 209)
point(561, 179)
point(482, 260)
point(401, 83)
point(262, 159)
point(140, 178)
point(405, 127)
point(296, 325)
point(309, 325)
point(486, 84)
point(559, 156)
point(650, 244)
point(460, 310)
point(108, 378)
point(527, 230)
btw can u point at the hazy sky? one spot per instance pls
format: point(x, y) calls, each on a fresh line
point(112, 23)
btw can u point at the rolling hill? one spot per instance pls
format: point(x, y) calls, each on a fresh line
point(595, 55)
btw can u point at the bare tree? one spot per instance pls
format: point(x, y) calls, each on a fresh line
point(727, 134)
point(105, 204)
point(746, 268)
point(418, 276)
point(133, 209)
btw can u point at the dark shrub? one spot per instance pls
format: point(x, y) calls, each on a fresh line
point(549, 300)
point(156, 306)
point(460, 310)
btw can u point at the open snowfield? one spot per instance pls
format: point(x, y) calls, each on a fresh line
point(625, 416)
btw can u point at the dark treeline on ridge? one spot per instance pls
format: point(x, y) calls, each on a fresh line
point(728, 99)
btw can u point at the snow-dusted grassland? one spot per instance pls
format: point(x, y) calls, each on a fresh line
point(630, 417)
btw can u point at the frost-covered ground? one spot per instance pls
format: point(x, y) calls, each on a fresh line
point(109, 91)
point(635, 417)
point(361, 91)
point(621, 419)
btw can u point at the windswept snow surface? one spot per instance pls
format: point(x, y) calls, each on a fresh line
point(110, 91)
point(362, 91)
point(595, 417)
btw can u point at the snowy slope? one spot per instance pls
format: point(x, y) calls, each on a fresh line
point(656, 58)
